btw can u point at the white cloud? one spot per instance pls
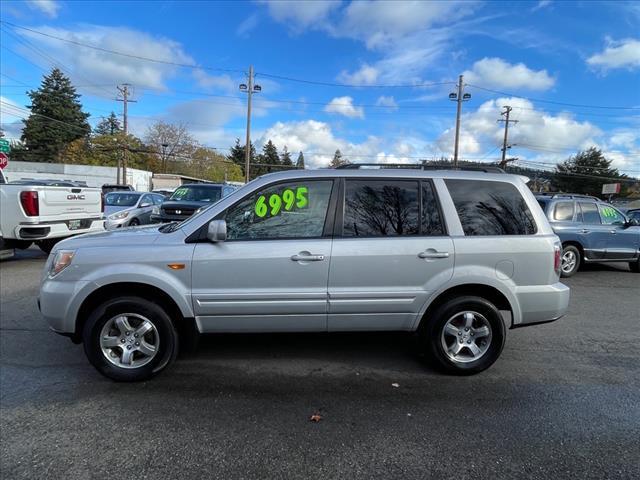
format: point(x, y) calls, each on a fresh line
point(344, 106)
point(388, 102)
point(10, 118)
point(365, 75)
point(537, 130)
point(410, 36)
point(48, 7)
point(87, 64)
point(617, 54)
point(247, 25)
point(299, 15)
point(497, 73)
point(542, 4)
point(220, 82)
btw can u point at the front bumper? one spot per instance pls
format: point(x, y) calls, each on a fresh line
point(113, 224)
point(57, 303)
point(542, 303)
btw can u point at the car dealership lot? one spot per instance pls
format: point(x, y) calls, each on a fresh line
point(562, 401)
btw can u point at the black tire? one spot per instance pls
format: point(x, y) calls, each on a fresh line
point(635, 266)
point(432, 335)
point(570, 250)
point(17, 244)
point(134, 222)
point(47, 245)
point(167, 334)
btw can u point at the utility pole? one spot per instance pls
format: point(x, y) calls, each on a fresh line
point(505, 146)
point(459, 98)
point(124, 90)
point(249, 88)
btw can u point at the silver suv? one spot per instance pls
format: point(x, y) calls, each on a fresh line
point(457, 257)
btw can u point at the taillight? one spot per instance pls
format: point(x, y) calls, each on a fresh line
point(557, 259)
point(30, 204)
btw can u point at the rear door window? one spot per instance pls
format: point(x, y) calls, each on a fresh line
point(381, 208)
point(491, 208)
point(563, 211)
point(590, 213)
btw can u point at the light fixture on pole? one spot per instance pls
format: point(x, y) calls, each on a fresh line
point(249, 88)
point(459, 98)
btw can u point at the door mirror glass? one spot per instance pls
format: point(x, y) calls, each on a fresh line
point(145, 204)
point(217, 231)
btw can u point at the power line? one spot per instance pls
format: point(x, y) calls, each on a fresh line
point(351, 85)
point(553, 102)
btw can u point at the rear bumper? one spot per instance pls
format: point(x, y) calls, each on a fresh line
point(542, 303)
point(44, 230)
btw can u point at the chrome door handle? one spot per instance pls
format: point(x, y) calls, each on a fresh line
point(433, 254)
point(307, 258)
point(613, 231)
point(584, 231)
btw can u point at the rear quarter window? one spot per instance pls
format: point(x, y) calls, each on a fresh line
point(491, 208)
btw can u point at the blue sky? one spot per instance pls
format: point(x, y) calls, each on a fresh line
point(369, 78)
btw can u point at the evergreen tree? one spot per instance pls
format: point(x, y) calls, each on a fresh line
point(285, 158)
point(578, 173)
point(337, 160)
point(236, 155)
point(300, 161)
point(108, 126)
point(56, 120)
point(270, 154)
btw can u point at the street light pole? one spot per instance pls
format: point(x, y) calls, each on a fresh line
point(249, 88)
point(459, 98)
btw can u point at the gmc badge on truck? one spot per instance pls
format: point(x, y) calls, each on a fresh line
point(75, 197)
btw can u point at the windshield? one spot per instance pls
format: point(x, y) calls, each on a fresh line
point(197, 194)
point(121, 199)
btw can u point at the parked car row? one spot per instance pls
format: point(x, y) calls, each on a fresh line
point(43, 211)
point(592, 231)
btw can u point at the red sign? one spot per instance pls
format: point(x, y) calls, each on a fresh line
point(4, 160)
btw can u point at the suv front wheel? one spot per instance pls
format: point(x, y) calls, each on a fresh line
point(465, 335)
point(130, 339)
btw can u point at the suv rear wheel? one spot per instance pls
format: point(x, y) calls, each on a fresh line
point(130, 339)
point(571, 260)
point(465, 335)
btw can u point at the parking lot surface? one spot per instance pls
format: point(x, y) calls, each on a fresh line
point(563, 401)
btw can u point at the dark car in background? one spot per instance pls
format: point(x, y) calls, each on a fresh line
point(591, 231)
point(187, 199)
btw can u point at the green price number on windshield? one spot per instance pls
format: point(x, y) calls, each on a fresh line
point(274, 204)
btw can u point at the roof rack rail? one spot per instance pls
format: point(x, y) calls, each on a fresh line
point(566, 195)
point(419, 166)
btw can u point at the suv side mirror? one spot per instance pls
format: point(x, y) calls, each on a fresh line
point(217, 231)
point(145, 204)
point(632, 223)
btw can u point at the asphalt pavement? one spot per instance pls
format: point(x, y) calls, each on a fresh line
point(563, 401)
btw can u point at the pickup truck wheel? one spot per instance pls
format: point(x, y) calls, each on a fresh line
point(465, 335)
point(130, 339)
point(571, 260)
point(635, 266)
point(47, 245)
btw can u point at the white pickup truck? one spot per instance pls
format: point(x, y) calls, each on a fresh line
point(45, 214)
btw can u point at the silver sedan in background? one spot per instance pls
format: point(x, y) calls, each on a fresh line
point(127, 209)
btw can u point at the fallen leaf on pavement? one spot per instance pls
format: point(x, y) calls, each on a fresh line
point(395, 385)
point(316, 417)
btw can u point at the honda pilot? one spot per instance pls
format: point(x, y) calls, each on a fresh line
point(457, 257)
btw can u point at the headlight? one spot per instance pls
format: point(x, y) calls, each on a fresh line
point(155, 210)
point(119, 215)
point(61, 261)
